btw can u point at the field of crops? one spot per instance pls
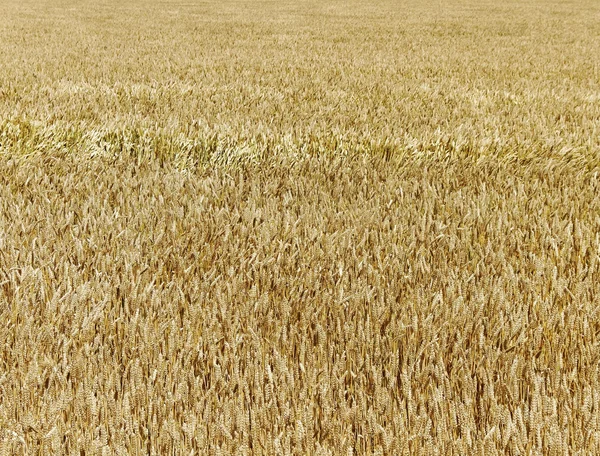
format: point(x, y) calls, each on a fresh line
point(286, 228)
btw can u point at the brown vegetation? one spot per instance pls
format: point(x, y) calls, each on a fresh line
point(304, 228)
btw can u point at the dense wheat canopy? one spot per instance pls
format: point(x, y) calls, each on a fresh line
point(330, 228)
point(203, 78)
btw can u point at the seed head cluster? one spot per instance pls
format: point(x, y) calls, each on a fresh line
point(329, 228)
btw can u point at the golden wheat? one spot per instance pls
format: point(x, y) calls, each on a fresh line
point(299, 228)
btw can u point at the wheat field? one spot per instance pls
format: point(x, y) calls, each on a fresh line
point(299, 228)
